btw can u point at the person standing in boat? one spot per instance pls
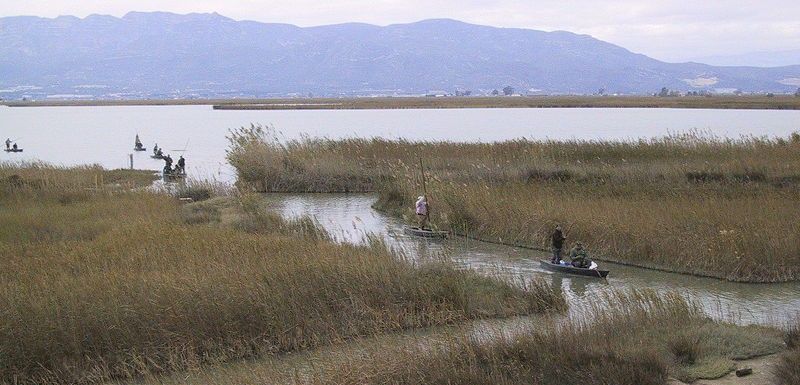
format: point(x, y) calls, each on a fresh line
point(167, 164)
point(8, 143)
point(156, 150)
point(558, 244)
point(181, 167)
point(579, 256)
point(422, 210)
point(138, 143)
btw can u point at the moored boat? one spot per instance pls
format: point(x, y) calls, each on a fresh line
point(13, 150)
point(426, 233)
point(569, 269)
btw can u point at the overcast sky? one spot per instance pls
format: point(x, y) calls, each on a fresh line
point(668, 30)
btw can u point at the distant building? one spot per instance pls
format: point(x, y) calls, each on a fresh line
point(437, 94)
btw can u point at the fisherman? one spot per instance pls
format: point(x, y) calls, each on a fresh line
point(579, 256)
point(138, 143)
point(168, 163)
point(181, 168)
point(422, 211)
point(8, 143)
point(156, 150)
point(558, 244)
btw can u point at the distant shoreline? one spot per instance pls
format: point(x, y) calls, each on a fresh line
point(714, 102)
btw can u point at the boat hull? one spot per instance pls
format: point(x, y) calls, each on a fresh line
point(12, 150)
point(416, 231)
point(597, 273)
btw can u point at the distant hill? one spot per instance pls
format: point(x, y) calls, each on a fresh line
point(758, 59)
point(208, 55)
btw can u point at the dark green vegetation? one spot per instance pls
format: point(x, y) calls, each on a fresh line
point(685, 203)
point(715, 102)
point(640, 339)
point(100, 282)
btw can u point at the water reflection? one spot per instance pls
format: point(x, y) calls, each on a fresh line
point(350, 216)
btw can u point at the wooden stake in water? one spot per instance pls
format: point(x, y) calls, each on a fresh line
point(131, 158)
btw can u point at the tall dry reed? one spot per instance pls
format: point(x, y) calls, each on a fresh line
point(634, 338)
point(116, 284)
point(690, 203)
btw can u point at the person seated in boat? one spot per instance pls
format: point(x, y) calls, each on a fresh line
point(181, 167)
point(422, 211)
point(579, 256)
point(558, 244)
point(14, 147)
point(8, 143)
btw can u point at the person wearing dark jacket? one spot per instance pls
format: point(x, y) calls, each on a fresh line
point(181, 168)
point(558, 244)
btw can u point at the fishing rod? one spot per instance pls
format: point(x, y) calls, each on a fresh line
point(425, 192)
point(184, 147)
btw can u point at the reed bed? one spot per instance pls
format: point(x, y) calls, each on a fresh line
point(690, 203)
point(635, 338)
point(788, 370)
point(118, 284)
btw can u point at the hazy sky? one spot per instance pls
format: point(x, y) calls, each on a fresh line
point(669, 30)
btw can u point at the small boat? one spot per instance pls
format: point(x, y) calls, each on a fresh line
point(140, 149)
point(157, 156)
point(569, 269)
point(172, 175)
point(425, 233)
point(13, 150)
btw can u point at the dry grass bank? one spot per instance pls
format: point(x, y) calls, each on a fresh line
point(103, 283)
point(686, 203)
point(638, 339)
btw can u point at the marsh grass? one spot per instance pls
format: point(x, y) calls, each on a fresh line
point(114, 283)
point(629, 340)
point(788, 370)
point(689, 203)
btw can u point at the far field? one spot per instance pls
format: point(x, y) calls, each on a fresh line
point(714, 102)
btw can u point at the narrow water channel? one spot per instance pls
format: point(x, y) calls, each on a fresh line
point(349, 217)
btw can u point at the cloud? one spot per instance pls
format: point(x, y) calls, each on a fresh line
point(669, 30)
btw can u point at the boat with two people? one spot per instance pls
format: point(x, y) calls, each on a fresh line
point(12, 148)
point(566, 267)
point(158, 153)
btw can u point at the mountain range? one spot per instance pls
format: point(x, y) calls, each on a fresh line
point(161, 54)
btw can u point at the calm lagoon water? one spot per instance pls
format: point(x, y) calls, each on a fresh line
point(104, 135)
